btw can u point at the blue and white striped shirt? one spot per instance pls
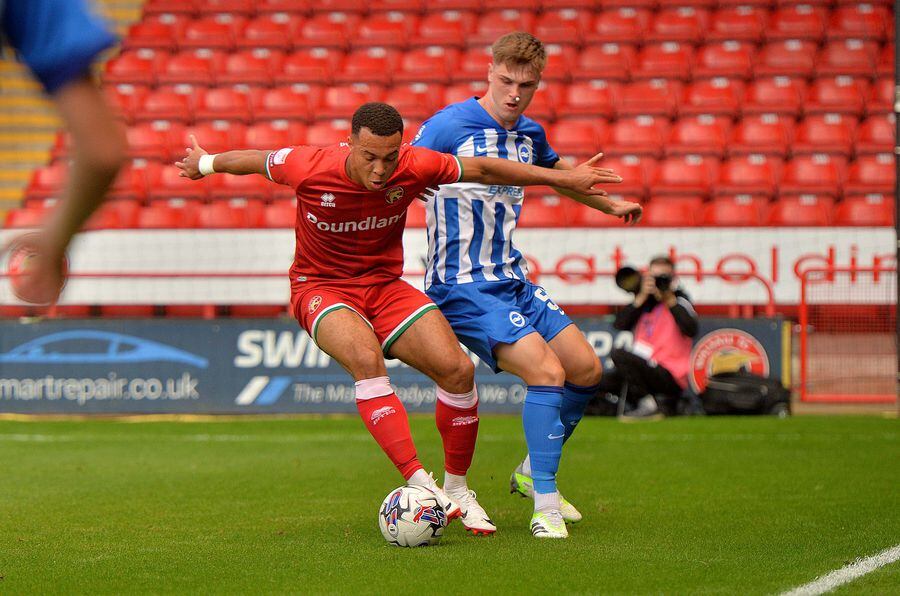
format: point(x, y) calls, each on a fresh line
point(470, 226)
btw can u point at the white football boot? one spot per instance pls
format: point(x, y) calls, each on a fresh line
point(520, 483)
point(548, 524)
point(474, 518)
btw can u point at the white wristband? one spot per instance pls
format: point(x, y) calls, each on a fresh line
point(206, 164)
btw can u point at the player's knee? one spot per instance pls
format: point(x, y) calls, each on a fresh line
point(366, 362)
point(458, 376)
point(587, 373)
point(548, 372)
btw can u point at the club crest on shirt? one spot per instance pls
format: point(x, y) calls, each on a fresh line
point(314, 304)
point(393, 195)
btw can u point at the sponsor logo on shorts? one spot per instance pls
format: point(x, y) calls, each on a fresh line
point(314, 304)
point(726, 350)
point(464, 420)
point(394, 195)
point(517, 319)
point(380, 413)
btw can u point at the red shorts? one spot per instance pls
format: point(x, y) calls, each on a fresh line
point(389, 308)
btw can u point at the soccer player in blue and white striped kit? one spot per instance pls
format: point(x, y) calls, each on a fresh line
point(478, 278)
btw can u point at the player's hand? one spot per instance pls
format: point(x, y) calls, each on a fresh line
point(583, 178)
point(429, 193)
point(630, 212)
point(36, 270)
point(190, 165)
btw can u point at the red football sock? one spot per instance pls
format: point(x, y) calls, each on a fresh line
point(457, 421)
point(386, 420)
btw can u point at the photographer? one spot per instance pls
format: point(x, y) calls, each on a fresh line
point(663, 321)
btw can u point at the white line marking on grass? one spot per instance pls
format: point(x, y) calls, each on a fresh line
point(847, 574)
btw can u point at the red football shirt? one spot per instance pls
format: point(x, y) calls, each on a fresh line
point(345, 231)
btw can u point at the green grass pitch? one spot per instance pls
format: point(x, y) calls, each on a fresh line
point(699, 506)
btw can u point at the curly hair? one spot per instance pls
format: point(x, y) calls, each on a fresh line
point(382, 119)
point(520, 50)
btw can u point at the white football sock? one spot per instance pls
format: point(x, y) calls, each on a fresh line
point(455, 484)
point(526, 466)
point(420, 478)
point(546, 501)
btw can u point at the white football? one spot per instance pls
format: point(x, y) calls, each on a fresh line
point(411, 516)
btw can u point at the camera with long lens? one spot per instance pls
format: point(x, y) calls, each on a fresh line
point(629, 279)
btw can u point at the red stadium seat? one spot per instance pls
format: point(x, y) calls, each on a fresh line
point(872, 210)
point(862, 21)
point(876, 134)
point(409, 6)
point(782, 95)
point(131, 182)
point(802, 210)
point(415, 215)
point(713, 96)
point(847, 57)
point(140, 67)
point(126, 100)
point(416, 100)
point(825, 133)
point(838, 94)
point(274, 134)
point(791, 57)
point(578, 136)
point(495, 23)
point(871, 174)
point(331, 30)
point(341, 101)
point(639, 135)
point(26, 217)
point(114, 215)
point(215, 136)
point(732, 212)
point(47, 181)
point(591, 98)
point(670, 60)
point(233, 213)
point(196, 67)
point(685, 24)
point(769, 134)
point(223, 103)
point(583, 216)
point(605, 61)
point(433, 64)
point(724, 59)
point(700, 135)
point(323, 134)
point(463, 91)
point(884, 65)
point(622, 25)
point(543, 208)
point(153, 34)
point(741, 23)
point(561, 26)
point(445, 29)
point(672, 212)
point(392, 29)
point(282, 6)
point(162, 214)
point(801, 21)
point(410, 129)
point(461, 5)
point(685, 174)
point(312, 65)
point(654, 97)
point(187, 7)
point(814, 174)
point(472, 65)
point(253, 187)
point(749, 174)
point(251, 67)
point(545, 100)
point(148, 141)
point(280, 214)
point(369, 65)
point(168, 104)
point(219, 31)
point(273, 31)
point(560, 62)
point(244, 7)
point(169, 185)
point(294, 102)
point(881, 96)
point(636, 172)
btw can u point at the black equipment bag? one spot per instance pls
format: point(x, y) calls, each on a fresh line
point(745, 393)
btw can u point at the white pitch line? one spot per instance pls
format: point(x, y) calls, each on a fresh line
point(846, 574)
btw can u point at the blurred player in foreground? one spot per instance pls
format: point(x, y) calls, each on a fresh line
point(346, 290)
point(480, 280)
point(59, 40)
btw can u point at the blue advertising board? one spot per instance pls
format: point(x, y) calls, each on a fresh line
point(271, 366)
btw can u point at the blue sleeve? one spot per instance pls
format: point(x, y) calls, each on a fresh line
point(544, 155)
point(57, 39)
point(436, 134)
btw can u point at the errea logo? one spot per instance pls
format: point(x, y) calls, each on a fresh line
point(327, 200)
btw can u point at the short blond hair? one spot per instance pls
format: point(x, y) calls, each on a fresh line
point(520, 50)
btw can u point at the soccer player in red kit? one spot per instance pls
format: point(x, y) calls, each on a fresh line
point(346, 290)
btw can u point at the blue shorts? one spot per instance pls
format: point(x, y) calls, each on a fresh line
point(484, 314)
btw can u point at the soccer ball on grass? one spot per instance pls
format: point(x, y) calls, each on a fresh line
point(412, 516)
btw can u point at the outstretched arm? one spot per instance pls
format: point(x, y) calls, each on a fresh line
point(630, 212)
point(486, 170)
point(239, 163)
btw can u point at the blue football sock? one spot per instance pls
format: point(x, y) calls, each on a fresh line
point(575, 399)
point(544, 434)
